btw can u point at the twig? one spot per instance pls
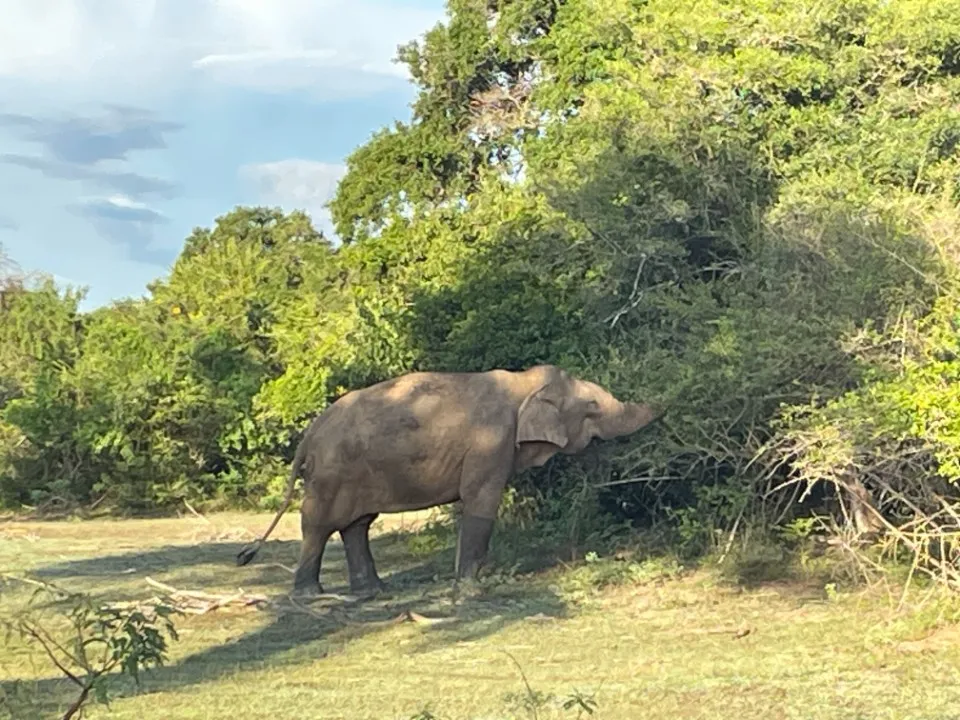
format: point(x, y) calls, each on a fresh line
point(634, 480)
point(633, 293)
point(78, 703)
point(161, 586)
point(417, 618)
point(35, 583)
point(737, 632)
point(600, 236)
point(36, 634)
point(530, 693)
point(198, 602)
point(733, 533)
point(303, 608)
point(190, 508)
point(906, 585)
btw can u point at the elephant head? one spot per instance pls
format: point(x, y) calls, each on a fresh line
point(564, 414)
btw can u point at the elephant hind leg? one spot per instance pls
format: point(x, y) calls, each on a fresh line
point(316, 531)
point(360, 564)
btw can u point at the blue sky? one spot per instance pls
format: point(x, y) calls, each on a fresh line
point(126, 123)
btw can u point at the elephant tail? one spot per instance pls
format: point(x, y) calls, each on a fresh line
point(250, 551)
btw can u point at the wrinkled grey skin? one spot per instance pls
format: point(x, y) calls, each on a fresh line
point(428, 439)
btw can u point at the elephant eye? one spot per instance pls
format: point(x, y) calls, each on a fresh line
point(593, 407)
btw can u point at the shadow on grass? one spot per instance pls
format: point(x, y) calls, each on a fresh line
point(295, 633)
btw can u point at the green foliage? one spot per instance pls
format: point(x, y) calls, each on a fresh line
point(40, 337)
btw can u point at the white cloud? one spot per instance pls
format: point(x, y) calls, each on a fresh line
point(122, 201)
point(296, 184)
point(330, 47)
point(326, 72)
point(266, 57)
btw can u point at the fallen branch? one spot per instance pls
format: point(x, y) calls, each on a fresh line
point(417, 618)
point(195, 602)
point(410, 616)
point(735, 633)
point(96, 503)
point(191, 509)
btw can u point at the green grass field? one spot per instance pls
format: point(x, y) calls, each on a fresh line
point(643, 639)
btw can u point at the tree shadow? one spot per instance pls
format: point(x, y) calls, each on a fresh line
point(296, 632)
point(212, 564)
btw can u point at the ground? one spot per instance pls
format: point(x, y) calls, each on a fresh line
point(643, 639)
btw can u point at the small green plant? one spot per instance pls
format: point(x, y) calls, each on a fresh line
point(532, 701)
point(529, 701)
point(693, 533)
point(101, 641)
point(581, 703)
point(798, 529)
point(424, 714)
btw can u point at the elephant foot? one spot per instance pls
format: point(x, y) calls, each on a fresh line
point(368, 590)
point(310, 591)
point(468, 588)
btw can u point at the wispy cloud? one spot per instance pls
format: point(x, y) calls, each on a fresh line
point(7, 223)
point(113, 135)
point(149, 47)
point(126, 223)
point(89, 149)
point(265, 57)
point(124, 182)
point(324, 71)
point(119, 208)
point(297, 184)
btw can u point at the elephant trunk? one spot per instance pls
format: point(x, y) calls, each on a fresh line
point(625, 419)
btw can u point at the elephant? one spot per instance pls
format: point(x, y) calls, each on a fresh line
point(426, 439)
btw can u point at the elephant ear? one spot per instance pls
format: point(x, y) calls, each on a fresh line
point(539, 420)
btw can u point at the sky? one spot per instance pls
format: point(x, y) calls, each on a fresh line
point(124, 124)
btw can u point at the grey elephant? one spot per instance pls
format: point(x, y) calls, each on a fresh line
point(427, 439)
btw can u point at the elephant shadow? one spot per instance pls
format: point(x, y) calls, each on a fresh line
point(295, 632)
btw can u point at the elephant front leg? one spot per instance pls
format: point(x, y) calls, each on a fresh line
point(360, 565)
point(482, 482)
point(483, 477)
point(473, 544)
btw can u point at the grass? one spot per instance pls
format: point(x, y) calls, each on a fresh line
point(621, 638)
